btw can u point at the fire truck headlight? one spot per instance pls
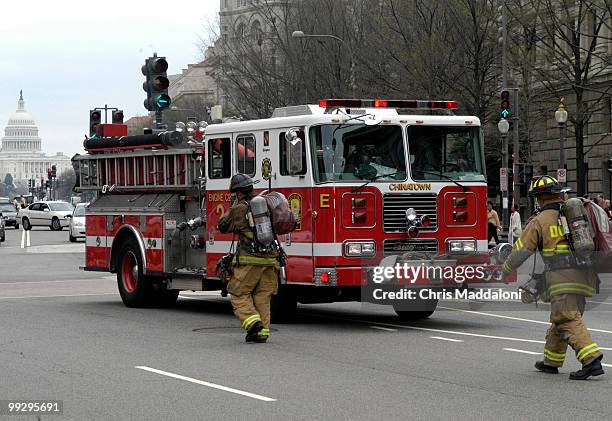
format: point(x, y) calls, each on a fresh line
point(462, 246)
point(191, 126)
point(180, 126)
point(360, 249)
point(411, 215)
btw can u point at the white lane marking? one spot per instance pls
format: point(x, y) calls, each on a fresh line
point(56, 296)
point(452, 332)
point(515, 318)
point(386, 329)
point(606, 365)
point(446, 339)
point(522, 351)
point(203, 383)
point(599, 302)
point(53, 282)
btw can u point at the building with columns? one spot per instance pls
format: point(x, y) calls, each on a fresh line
point(21, 149)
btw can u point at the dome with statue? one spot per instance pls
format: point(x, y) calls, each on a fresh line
point(21, 132)
point(21, 117)
point(21, 154)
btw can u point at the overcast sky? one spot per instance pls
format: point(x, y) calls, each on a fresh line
point(72, 55)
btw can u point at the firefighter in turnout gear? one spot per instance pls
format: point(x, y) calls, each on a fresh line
point(255, 267)
point(566, 285)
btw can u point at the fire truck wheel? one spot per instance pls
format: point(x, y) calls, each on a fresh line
point(284, 306)
point(417, 311)
point(134, 288)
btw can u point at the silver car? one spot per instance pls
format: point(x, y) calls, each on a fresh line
point(2, 235)
point(9, 214)
point(76, 228)
point(55, 214)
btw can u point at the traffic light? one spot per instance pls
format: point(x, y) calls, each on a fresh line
point(47, 184)
point(53, 171)
point(118, 117)
point(95, 118)
point(505, 104)
point(156, 85)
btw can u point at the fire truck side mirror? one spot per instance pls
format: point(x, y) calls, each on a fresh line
point(294, 148)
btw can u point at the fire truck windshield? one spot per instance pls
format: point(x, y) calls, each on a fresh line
point(356, 152)
point(444, 152)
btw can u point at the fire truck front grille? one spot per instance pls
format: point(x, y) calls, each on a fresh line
point(395, 205)
point(403, 245)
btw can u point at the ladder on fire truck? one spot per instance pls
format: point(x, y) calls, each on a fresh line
point(140, 170)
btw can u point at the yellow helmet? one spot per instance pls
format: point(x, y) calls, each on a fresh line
point(544, 184)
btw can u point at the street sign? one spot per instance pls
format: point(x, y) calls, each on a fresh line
point(503, 179)
point(561, 175)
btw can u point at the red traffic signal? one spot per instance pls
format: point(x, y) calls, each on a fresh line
point(95, 118)
point(118, 117)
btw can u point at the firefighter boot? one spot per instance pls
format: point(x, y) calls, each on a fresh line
point(545, 368)
point(262, 336)
point(253, 332)
point(591, 369)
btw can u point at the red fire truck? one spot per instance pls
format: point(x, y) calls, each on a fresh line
point(366, 179)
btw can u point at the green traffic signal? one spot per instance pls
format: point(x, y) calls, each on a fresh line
point(156, 84)
point(505, 104)
point(162, 101)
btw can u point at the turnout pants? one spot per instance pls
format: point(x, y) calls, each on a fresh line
point(251, 288)
point(567, 327)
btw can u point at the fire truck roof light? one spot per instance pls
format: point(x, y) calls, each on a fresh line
point(384, 103)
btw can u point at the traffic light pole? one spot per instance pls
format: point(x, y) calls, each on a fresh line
point(158, 120)
point(516, 193)
point(503, 40)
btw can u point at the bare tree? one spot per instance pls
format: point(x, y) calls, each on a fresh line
point(562, 57)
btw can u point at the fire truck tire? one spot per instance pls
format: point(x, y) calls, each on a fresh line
point(422, 310)
point(26, 224)
point(135, 289)
point(284, 306)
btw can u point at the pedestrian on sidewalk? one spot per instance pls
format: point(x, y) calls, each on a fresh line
point(516, 229)
point(493, 222)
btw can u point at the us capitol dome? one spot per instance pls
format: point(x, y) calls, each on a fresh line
point(21, 149)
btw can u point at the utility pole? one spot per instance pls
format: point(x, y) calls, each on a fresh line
point(503, 36)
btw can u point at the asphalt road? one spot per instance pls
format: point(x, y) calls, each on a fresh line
point(66, 335)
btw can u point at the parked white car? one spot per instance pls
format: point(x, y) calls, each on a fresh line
point(76, 228)
point(55, 215)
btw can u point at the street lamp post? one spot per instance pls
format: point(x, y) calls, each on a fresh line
point(503, 126)
point(561, 117)
point(301, 34)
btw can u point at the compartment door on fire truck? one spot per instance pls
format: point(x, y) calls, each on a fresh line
point(289, 162)
point(219, 170)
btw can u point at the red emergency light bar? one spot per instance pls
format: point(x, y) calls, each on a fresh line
point(384, 103)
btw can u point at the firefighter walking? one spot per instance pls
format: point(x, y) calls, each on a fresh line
point(566, 284)
point(255, 267)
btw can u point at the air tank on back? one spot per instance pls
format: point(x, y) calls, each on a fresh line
point(261, 220)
